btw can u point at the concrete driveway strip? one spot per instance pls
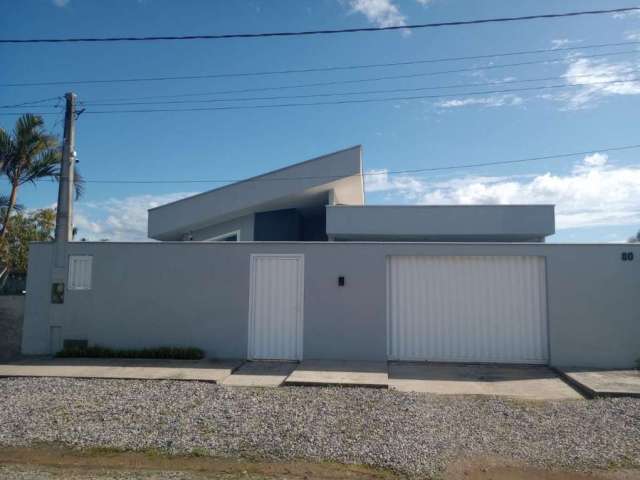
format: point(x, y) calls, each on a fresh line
point(531, 383)
point(340, 373)
point(260, 374)
point(140, 369)
point(605, 383)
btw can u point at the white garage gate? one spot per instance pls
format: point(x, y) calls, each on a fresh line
point(467, 309)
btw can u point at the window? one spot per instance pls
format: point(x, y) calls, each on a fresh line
point(226, 237)
point(80, 272)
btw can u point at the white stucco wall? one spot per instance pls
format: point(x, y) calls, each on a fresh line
point(185, 293)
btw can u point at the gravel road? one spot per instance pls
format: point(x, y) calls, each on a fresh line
point(410, 433)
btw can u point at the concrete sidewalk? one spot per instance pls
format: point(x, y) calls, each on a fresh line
point(604, 383)
point(526, 382)
point(340, 373)
point(141, 369)
point(260, 374)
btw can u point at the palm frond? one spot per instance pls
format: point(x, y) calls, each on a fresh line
point(27, 124)
point(4, 203)
point(47, 164)
point(78, 184)
point(7, 150)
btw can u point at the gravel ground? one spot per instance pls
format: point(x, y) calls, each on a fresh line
point(410, 433)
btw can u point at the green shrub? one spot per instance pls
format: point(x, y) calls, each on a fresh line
point(97, 351)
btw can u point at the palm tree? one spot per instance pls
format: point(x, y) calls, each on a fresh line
point(27, 155)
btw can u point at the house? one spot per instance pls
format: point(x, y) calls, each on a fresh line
point(323, 199)
point(293, 265)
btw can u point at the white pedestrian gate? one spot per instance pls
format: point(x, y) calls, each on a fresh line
point(467, 309)
point(276, 307)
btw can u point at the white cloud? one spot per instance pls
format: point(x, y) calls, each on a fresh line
point(119, 219)
point(408, 187)
point(623, 15)
point(383, 13)
point(596, 159)
point(593, 193)
point(560, 42)
point(424, 3)
point(61, 3)
point(633, 36)
point(508, 100)
point(592, 73)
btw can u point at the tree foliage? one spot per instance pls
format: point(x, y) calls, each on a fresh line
point(36, 226)
point(27, 155)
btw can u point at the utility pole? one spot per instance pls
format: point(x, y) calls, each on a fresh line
point(64, 213)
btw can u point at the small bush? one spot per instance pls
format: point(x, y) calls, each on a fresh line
point(96, 351)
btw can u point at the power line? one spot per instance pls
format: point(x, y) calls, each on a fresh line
point(344, 102)
point(318, 69)
point(360, 92)
point(27, 111)
point(323, 32)
point(367, 100)
point(32, 102)
point(381, 78)
point(392, 172)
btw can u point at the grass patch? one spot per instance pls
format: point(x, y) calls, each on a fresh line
point(199, 452)
point(96, 351)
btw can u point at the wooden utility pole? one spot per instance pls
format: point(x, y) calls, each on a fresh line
point(64, 213)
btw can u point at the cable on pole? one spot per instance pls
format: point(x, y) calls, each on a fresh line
point(223, 36)
point(321, 69)
point(391, 172)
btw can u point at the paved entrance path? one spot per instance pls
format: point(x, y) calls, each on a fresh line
point(202, 370)
point(605, 383)
point(260, 374)
point(341, 373)
point(534, 383)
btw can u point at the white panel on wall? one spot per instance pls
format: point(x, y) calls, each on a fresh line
point(80, 267)
point(467, 309)
point(276, 307)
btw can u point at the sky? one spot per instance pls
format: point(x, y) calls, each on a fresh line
point(597, 195)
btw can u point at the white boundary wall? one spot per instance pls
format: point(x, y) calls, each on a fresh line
point(197, 294)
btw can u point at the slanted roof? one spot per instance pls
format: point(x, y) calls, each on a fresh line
point(297, 186)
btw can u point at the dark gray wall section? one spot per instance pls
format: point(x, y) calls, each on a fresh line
point(278, 225)
point(11, 315)
point(243, 224)
point(178, 293)
point(314, 228)
point(289, 225)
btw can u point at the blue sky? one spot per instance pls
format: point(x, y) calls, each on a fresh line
point(597, 197)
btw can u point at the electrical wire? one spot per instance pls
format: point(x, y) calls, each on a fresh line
point(321, 69)
point(377, 79)
point(343, 102)
point(361, 92)
point(323, 32)
point(392, 172)
point(367, 100)
point(32, 102)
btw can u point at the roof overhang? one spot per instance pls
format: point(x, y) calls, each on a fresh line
point(301, 185)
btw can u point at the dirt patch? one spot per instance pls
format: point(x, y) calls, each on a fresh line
point(104, 463)
point(499, 469)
